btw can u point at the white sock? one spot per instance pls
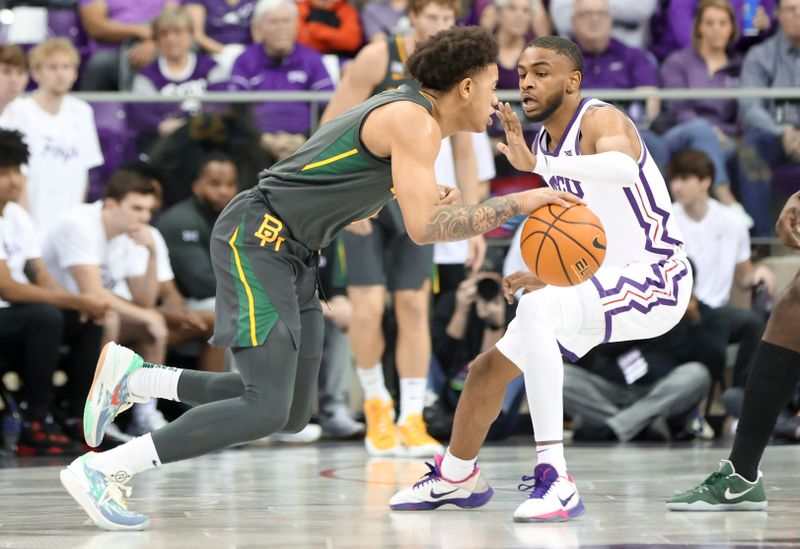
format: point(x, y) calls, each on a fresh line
point(155, 380)
point(456, 469)
point(133, 457)
point(554, 455)
point(372, 382)
point(412, 396)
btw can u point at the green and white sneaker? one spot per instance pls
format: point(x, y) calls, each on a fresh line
point(723, 490)
point(102, 496)
point(109, 395)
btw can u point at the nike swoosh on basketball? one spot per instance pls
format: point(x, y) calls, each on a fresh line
point(734, 495)
point(434, 495)
point(565, 501)
point(596, 244)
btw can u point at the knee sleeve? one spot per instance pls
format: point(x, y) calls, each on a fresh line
point(561, 310)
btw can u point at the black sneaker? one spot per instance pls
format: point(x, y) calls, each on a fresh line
point(45, 438)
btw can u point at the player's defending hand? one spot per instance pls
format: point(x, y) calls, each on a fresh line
point(524, 280)
point(788, 226)
point(516, 150)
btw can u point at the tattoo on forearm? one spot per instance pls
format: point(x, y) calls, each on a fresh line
point(460, 222)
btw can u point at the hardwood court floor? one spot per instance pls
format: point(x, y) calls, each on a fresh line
point(331, 495)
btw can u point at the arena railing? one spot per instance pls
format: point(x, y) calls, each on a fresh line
point(316, 99)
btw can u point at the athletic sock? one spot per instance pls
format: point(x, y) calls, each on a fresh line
point(155, 380)
point(772, 382)
point(554, 455)
point(456, 469)
point(412, 396)
point(134, 456)
point(372, 383)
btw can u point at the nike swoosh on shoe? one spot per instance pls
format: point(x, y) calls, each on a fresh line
point(565, 501)
point(434, 495)
point(735, 495)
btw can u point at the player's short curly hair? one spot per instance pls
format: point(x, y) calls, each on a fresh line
point(13, 150)
point(451, 55)
point(562, 46)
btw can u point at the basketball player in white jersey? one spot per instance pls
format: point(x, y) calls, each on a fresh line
point(592, 150)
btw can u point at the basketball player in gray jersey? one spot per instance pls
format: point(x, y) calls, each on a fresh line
point(264, 249)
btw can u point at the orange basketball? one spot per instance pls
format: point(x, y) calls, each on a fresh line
point(563, 246)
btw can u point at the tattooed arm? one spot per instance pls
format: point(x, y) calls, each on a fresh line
point(414, 147)
point(458, 222)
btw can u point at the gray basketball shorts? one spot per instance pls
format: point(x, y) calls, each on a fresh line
point(262, 274)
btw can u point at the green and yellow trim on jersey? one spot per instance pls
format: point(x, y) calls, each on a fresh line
point(257, 315)
point(340, 157)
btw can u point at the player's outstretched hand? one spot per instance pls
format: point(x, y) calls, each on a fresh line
point(525, 280)
point(534, 199)
point(788, 226)
point(515, 149)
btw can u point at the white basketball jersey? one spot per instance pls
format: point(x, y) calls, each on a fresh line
point(637, 217)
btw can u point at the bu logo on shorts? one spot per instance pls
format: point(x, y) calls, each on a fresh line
point(270, 230)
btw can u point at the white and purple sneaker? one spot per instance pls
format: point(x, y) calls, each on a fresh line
point(433, 490)
point(553, 498)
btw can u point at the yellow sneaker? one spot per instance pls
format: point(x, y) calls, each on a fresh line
point(415, 438)
point(381, 439)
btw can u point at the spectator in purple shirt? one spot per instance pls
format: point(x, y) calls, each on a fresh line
point(177, 72)
point(630, 19)
point(513, 26)
point(222, 28)
point(609, 63)
point(512, 32)
point(382, 18)
point(279, 63)
point(711, 62)
point(121, 40)
point(672, 27)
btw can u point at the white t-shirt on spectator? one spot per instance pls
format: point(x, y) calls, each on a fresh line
point(18, 242)
point(716, 245)
point(163, 268)
point(456, 253)
point(63, 148)
point(79, 238)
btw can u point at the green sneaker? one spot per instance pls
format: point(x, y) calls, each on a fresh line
point(723, 490)
point(109, 395)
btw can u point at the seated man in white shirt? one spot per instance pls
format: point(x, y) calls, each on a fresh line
point(60, 131)
point(718, 243)
point(93, 247)
point(188, 320)
point(37, 316)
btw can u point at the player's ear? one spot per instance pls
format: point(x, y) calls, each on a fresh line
point(465, 87)
point(574, 82)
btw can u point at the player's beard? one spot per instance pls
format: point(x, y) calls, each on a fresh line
point(549, 108)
